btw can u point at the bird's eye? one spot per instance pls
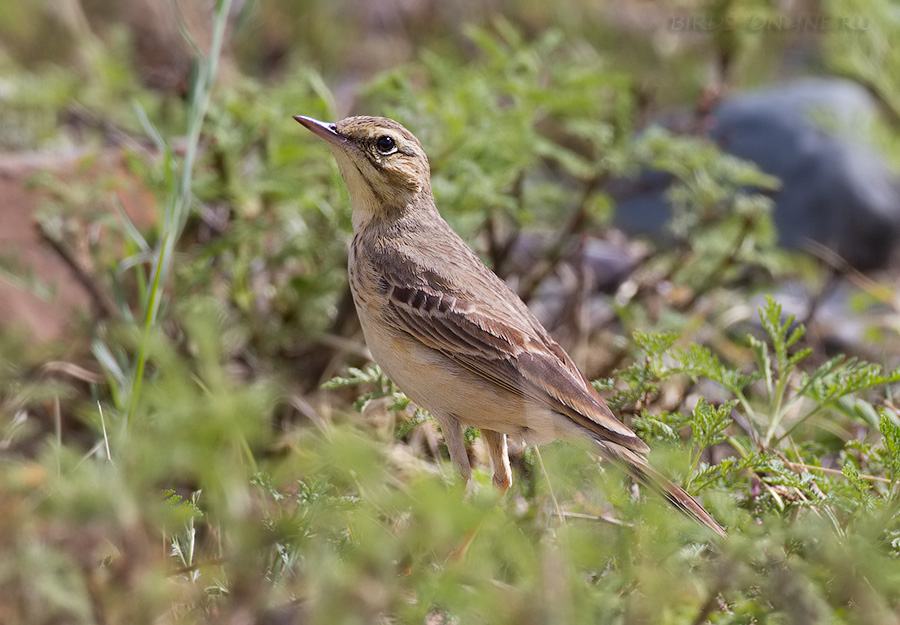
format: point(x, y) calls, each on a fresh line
point(385, 144)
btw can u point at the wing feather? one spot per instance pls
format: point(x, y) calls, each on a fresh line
point(511, 351)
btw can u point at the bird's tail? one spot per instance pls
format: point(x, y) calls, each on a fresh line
point(637, 466)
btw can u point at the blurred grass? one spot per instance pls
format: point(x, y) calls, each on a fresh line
point(227, 488)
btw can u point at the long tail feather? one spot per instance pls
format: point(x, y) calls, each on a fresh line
point(638, 468)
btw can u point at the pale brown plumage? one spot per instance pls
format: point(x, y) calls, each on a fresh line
point(452, 334)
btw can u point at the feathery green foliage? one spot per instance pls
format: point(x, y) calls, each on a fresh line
point(195, 468)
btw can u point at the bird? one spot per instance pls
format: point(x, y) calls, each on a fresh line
point(450, 333)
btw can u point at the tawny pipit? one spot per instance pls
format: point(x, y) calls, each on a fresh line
point(452, 335)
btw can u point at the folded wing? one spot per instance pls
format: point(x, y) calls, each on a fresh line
point(507, 349)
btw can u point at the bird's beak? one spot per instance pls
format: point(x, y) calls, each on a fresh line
point(323, 130)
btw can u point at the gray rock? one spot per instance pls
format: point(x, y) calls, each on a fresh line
point(836, 189)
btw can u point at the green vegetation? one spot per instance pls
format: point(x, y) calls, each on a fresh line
point(218, 449)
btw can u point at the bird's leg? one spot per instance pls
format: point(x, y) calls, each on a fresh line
point(496, 444)
point(456, 444)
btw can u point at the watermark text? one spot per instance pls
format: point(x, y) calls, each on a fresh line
point(786, 25)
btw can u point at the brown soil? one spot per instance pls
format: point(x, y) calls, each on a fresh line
point(64, 300)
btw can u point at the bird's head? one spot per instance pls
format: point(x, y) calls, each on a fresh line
point(382, 163)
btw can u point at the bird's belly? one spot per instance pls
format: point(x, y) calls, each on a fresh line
point(444, 388)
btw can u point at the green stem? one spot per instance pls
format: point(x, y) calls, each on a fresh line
point(178, 206)
point(777, 413)
point(745, 404)
point(799, 422)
